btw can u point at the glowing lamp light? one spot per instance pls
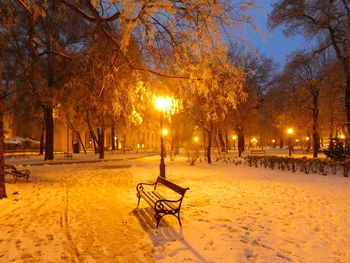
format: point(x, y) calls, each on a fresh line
point(196, 139)
point(163, 104)
point(164, 131)
point(296, 140)
point(342, 136)
point(273, 140)
point(254, 140)
point(234, 137)
point(307, 138)
point(290, 131)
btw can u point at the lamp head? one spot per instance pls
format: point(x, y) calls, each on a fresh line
point(163, 104)
point(164, 132)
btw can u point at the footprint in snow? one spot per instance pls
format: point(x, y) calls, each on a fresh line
point(209, 245)
point(279, 254)
point(249, 253)
point(223, 220)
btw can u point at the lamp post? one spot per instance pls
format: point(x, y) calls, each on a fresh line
point(290, 132)
point(254, 142)
point(162, 104)
point(234, 137)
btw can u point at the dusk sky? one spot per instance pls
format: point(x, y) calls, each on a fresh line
point(273, 44)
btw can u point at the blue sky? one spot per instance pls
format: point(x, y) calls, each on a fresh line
point(272, 44)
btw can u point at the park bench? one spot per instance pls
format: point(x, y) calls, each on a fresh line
point(68, 155)
point(162, 206)
point(12, 170)
point(258, 152)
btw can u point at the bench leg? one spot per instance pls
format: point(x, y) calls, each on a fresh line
point(158, 217)
point(178, 218)
point(139, 197)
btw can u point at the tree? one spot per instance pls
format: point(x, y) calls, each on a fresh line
point(307, 72)
point(2, 159)
point(332, 112)
point(327, 20)
point(219, 89)
point(44, 42)
point(251, 115)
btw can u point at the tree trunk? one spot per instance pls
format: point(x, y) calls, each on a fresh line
point(93, 136)
point(315, 113)
point(113, 138)
point(315, 135)
point(101, 144)
point(48, 118)
point(2, 160)
point(331, 128)
point(347, 102)
point(209, 132)
point(240, 137)
point(281, 143)
point(227, 145)
point(42, 141)
point(77, 133)
point(221, 140)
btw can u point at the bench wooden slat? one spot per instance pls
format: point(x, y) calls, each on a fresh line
point(152, 197)
point(170, 205)
point(171, 185)
point(252, 152)
point(148, 198)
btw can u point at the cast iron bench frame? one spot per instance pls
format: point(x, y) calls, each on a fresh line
point(68, 155)
point(161, 205)
point(258, 151)
point(16, 173)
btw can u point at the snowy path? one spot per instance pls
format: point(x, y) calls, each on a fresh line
point(86, 213)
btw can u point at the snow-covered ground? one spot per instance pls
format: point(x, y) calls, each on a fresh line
point(87, 213)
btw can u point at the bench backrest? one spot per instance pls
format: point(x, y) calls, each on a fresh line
point(171, 185)
point(258, 151)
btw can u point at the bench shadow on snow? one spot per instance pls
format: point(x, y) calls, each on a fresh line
point(166, 233)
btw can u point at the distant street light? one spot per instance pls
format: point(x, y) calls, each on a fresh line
point(163, 105)
point(234, 138)
point(196, 139)
point(290, 132)
point(273, 143)
point(254, 141)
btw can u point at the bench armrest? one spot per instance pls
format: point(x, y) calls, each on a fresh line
point(140, 187)
point(24, 171)
point(159, 206)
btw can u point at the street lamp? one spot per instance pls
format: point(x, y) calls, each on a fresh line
point(196, 139)
point(254, 141)
point(274, 143)
point(290, 132)
point(234, 138)
point(162, 104)
point(164, 132)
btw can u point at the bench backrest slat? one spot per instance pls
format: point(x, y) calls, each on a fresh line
point(171, 185)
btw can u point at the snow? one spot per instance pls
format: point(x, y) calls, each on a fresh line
point(87, 212)
point(16, 140)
